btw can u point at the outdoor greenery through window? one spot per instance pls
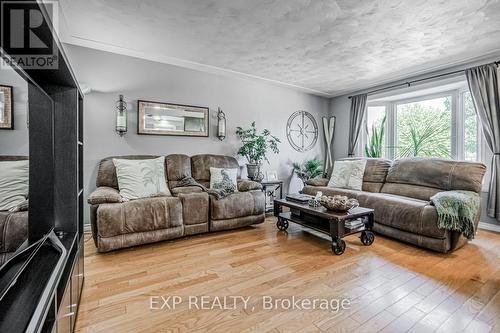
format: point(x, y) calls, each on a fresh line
point(423, 128)
point(441, 125)
point(471, 142)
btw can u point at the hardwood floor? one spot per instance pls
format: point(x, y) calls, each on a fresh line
point(391, 286)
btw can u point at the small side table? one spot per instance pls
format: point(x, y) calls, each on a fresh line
point(270, 187)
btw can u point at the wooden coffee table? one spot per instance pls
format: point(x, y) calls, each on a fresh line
point(325, 221)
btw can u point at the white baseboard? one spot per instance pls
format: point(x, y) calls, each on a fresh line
point(489, 227)
point(86, 228)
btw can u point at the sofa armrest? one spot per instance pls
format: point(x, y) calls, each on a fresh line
point(104, 194)
point(186, 190)
point(13, 230)
point(248, 185)
point(318, 182)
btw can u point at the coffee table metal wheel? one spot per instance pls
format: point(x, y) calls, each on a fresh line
point(367, 237)
point(338, 246)
point(282, 224)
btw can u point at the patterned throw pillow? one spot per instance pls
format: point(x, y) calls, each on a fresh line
point(224, 179)
point(348, 174)
point(141, 178)
point(14, 179)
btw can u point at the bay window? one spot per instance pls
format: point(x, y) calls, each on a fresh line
point(440, 124)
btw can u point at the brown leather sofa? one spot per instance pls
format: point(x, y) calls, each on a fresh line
point(399, 191)
point(13, 226)
point(13, 232)
point(116, 224)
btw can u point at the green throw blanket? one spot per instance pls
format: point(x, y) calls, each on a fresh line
point(457, 211)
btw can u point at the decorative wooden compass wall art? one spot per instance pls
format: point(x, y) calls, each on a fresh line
point(302, 131)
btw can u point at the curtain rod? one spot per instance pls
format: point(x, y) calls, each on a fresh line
point(409, 83)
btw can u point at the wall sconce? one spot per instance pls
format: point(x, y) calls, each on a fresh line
point(221, 124)
point(121, 116)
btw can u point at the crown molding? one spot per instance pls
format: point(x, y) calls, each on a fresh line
point(93, 44)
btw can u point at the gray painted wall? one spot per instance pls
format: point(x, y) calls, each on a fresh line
point(340, 108)
point(243, 101)
point(15, 142)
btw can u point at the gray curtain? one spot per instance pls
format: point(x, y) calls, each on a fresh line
point(358, 110)
point(483, 85)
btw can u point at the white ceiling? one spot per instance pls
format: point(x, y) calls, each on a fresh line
point(321, 46)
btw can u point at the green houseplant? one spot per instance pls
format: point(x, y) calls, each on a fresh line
point(255, 147)
point(308, 170)
point(374, 147)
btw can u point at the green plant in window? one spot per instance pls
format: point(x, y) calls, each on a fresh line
point(375, 145)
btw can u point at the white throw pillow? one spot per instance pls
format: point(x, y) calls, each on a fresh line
point(348, 174)
point(224, 179)
point(141, 178)
point(14, 179)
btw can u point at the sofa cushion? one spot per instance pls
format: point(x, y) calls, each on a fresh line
point(330, 191)
point(106, 173)
point(238, 204)
point(408, 214)
point(178, 168)
point(411, 191)
point(437, 173)
point(140, 215)
point(201, 164)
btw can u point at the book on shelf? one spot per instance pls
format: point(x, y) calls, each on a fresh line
point(354, 223)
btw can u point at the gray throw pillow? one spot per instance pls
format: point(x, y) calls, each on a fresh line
point(141, 178)
point(14, 178)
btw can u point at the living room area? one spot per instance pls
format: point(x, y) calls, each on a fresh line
point(237, 166)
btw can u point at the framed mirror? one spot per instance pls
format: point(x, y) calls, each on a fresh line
point(172, 119)
point(6, 107)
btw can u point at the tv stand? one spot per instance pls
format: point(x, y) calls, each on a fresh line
point(44, 280)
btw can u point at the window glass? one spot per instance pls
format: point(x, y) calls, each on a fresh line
point(423, 128)
point(470, 129)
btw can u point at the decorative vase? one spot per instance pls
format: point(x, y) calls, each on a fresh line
point(253, 170)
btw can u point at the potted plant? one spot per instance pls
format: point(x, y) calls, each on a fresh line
point(308, 170)
point(374, 147)
point(255, 147)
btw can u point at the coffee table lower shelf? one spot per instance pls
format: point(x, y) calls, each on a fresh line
point(319, 227)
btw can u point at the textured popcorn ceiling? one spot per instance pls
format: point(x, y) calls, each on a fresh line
point(326, 46)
